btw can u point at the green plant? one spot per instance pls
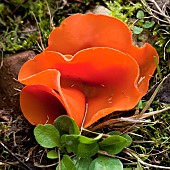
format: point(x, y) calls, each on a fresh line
point(123, 10)
point(24, 23)
point(142, 23)
point(75, 151)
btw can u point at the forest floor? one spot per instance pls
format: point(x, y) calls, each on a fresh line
point(24, 30)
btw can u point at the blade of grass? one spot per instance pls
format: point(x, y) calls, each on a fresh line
point(152, 97)
point(158, 68)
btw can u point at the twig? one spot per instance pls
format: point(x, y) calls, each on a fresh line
point(164, 31)
point(42, 156)
point(123, 120)
point(84, 118)
point(160, 12)
point(15, 144)
point(30, 152)
point(5, 164)
point(134, 134)
point(45, 166)
point(152, 97)
point(113, 156)
point(144, 163)
point(130, 120)
point(96, 133)
point(41, 49)
point(25, 165)
point(157, 6)
point(144, 141)
point(160, 152)
point(51, 18)
point(59, 159)
point(39, 31)
point(165, 48)
point(145, 115)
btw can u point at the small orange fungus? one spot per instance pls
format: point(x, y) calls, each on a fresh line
point(90, 61)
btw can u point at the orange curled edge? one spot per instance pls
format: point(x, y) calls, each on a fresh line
point(103, 78)
point(81, 31)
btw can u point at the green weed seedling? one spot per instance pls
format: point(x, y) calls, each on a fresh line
point(142, 23)
point(74, 151)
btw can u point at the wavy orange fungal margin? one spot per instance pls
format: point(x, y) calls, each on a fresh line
point(81, 31)
point(90, 60)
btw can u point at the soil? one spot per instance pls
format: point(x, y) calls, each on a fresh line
point(13, 124)
point(9, 86)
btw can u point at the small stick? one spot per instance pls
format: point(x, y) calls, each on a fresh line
point(84, 118)
point(165, 48)
point(59, 159)
point(113, 156)
point(51, 18)
point(152, 97)
point(145, 115)
point(144, 163)
point(25, 165)
point(39, 31)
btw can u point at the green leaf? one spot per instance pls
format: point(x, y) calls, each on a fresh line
point(82, 163)
point(112, 140)
point(141, 38)
point(137, 30)
point(87, 150)
point(66, 125)
point(52, 154)
point(128, 140)
point(113, 149)
point(142, 21)
point(87, 140)
point(126, 136)
point(47, 136)
point(70, 142)
point(106, 163)
point(66, 163)
point(140, 104)
point(148, 24)
point(113, 144)
point(140, 14)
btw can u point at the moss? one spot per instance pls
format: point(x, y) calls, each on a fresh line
point(22, 20)
point(124, 10)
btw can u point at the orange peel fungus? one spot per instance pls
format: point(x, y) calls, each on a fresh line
point(90, 61)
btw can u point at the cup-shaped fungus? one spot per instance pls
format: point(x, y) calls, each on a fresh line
point(90, 68)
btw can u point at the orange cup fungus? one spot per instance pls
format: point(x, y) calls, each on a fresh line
point(90, 61)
